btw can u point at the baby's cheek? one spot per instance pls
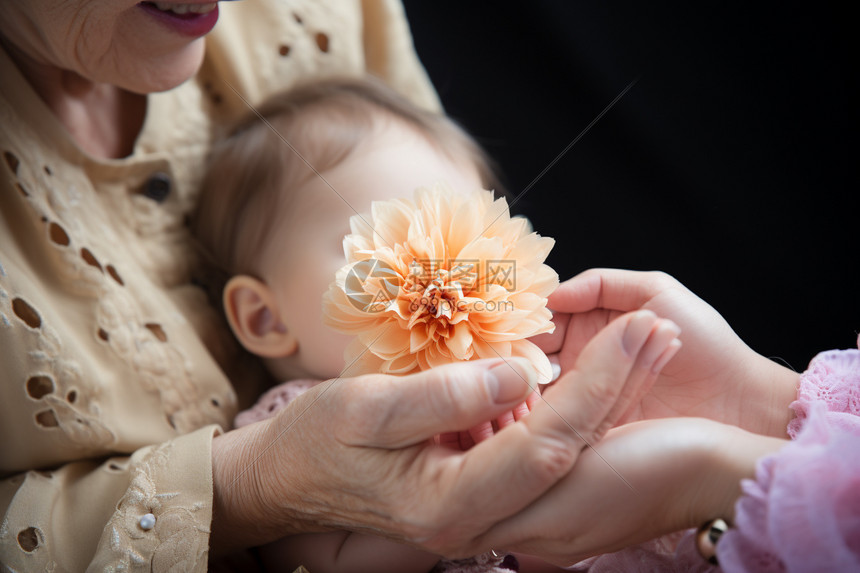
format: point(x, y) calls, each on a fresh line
point(325, 355)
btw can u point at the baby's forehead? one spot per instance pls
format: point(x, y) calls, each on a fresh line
point(338, 159)
point(392, 151)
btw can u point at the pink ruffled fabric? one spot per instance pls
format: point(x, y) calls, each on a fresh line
point(673, 553)
point(833, 379)
point(484, 563)
point(802, 512)
point(273, 400)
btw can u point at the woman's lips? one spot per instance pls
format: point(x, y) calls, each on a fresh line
point(193, 20)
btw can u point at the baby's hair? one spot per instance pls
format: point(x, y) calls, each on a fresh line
point(292, 137)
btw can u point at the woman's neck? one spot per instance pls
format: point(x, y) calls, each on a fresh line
point(102, 119)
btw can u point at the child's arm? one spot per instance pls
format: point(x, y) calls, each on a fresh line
point(345, 552)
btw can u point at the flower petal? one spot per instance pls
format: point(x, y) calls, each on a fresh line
point(527, 349)
point(460, 343)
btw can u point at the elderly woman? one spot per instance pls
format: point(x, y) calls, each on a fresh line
point(116, 375)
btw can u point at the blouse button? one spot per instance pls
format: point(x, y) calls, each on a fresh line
point(147, 522)
point(157, 187)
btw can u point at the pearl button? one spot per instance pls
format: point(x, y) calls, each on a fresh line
point(147, 522)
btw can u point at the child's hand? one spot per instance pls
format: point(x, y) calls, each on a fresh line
point(657, 343)
point(477, 434)
point(715, 376)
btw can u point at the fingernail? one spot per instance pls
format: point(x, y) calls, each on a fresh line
point(667, 355)
point(509, 380)
point(636, 331)
point(671, 325)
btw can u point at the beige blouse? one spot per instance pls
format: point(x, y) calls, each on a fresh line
point(113, 382)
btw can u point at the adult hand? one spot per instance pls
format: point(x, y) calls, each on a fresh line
point(715, 375)
point(643, 480)
point(357, 453)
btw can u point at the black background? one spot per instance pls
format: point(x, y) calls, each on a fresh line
point(730, 164)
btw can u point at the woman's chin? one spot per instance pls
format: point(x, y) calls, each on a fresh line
point(166, 72)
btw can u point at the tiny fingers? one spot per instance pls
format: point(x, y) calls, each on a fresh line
point(667, 355)
point(506, 419)
point(613, 370)
point(662, 335)
point(523, 409)
point(640, 326)
point(481, 432)
point(659, 345)
point(449, 439)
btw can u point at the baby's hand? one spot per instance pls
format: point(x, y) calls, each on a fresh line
point(468, 438)
point(654, 341)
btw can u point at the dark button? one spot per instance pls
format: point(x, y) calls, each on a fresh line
point(157, 187)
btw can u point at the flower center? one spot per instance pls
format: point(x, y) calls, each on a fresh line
point(438, 295)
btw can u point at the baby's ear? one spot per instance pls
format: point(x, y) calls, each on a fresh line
point(253, 314)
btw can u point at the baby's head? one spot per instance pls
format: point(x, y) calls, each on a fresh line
point(279, 193)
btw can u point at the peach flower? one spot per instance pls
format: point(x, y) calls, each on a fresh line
point(446, 276)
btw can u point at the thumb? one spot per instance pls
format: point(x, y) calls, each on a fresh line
point(406, 410)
